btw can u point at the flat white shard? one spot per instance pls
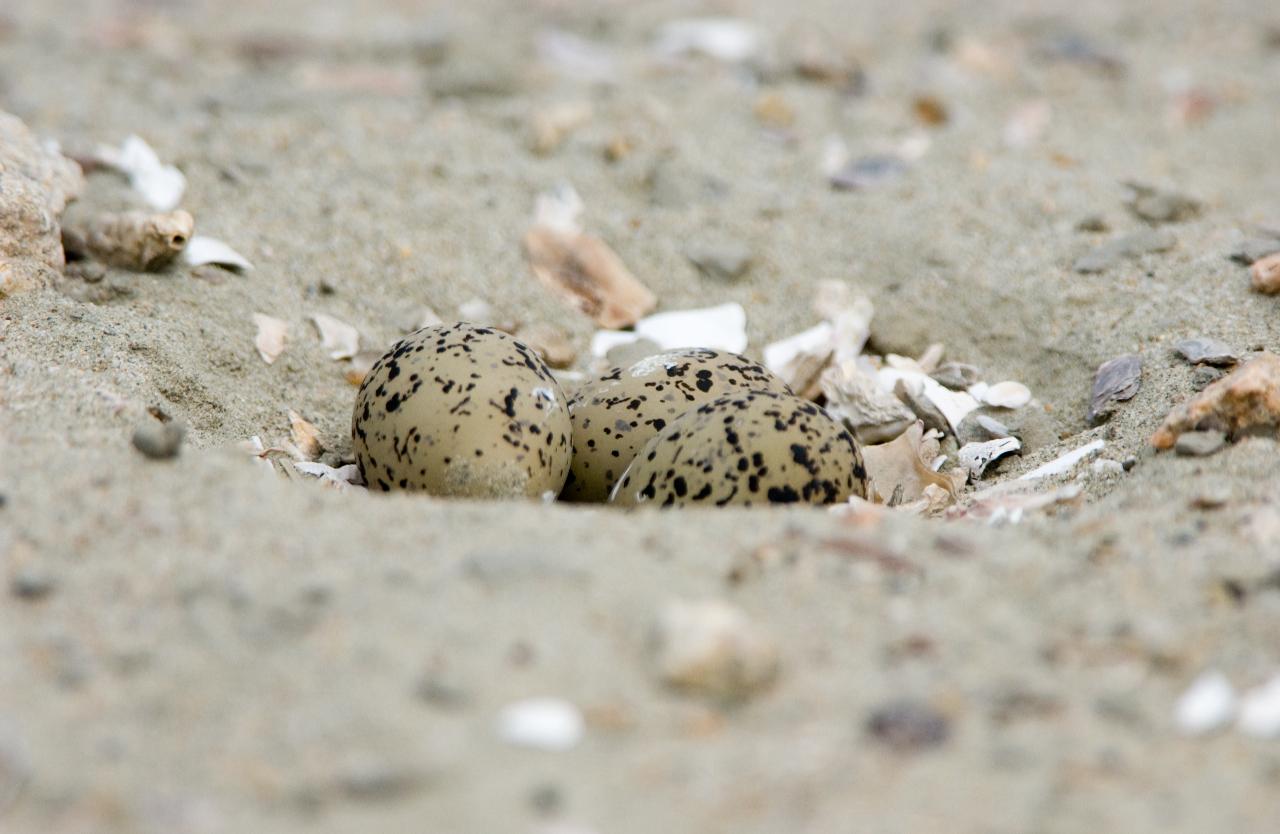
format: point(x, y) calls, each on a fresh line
point(723, 38)
point(339, 478)
point(160, 185)
point(1208, 704)
point(787, 357)
point(271, 337)
point(1260, 710)
point(723, 327)
point(1065, 463)
point(339, 338)
point(1008, 394)
point(203, 250)
point(541, 723)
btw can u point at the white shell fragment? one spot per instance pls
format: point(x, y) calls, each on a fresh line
point(259, 452)
point(271, 337)
point(713, 649)
point(723, 327)
point(724, 38)
point(1208, 704)
point(339, 338)
point(1027, 124)
point(542, 724)
point(976, 457)
point(339, 478)
point(1065, 463)
point(306, 437)
point(954, 405)
point(160, 185)
point(203, 250)
point(1008, 394)
point(798, 359)
point(1260, 710)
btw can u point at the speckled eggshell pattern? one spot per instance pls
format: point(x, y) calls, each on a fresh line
point(744, 450)
point(466, 411)
point(615, 415)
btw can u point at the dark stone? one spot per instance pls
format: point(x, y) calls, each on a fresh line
point(1115, 381)
point(159, 441)
point(908, 726)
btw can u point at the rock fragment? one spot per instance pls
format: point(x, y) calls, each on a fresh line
point(1131, 245)
point(725, 260)
point(1116, 380)
point(159, 440)
point(1199, 443)
point(712, 649)
point(1245, 401)
point(957, 375)
point(1265, 274)
point(1205, 351)
point(36, 183)
point(132, 239)
point(1157, 206)
point(908, 726)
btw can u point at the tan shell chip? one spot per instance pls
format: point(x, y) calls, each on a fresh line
point(587, 275)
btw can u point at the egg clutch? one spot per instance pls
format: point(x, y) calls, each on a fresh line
point(466, 411)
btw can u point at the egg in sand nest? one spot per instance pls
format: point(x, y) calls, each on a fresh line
point(465, 411)
point(616, 414)
point(743, 450)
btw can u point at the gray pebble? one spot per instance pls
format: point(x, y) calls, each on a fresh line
point(1093, 223)
point(922, 407)
point(957, 375)
point(1199, 443)
point(1157, 206)
point(1203, 375)
point(1206, 351)
point(908, 726)
point(1115, 381)
point(868, 171)
point(1254, 249)
point(159, 441)
point(32, 583)
point(722, 259)
point(1126, 246)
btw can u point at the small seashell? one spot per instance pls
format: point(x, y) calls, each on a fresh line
point(1116, 380)
point(552, 724)
point(271, 337)
point(306, 437)
point(339, 338)
point(207, 250)
point(976, 457)
point(1006, 394)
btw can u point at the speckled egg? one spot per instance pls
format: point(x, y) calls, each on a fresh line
point(464, 411)
point(618, 413)
point(746, 449)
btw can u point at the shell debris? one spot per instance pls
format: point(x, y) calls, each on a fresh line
point(133, 240)
point(723, 327)
point(203, 250)
point(160, 185)
point(713, 649)
point(272, 333)
point(339, 338)
point(306, 437)
point(1245, 400)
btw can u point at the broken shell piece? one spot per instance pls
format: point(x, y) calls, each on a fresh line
point(339, 478)
point(1027, 124)
point(1116, 380)
point(133, 239)
point(954, 405)
point(1260, 710)
point(723, 327)
point(549, 127)
point(160, 185)
point(993, 426)
point(306, 437)
point(360, 366)
point(871, 413)
point(1247, 400)
point(1064, 463)
point(208, 250)
point(921, 406)
point(586, 273)
point(898, 472)
point(339, 338)
point(1265, 273)
point(850, 317)
point(799, 360)
point(1006, 394)
point(271, 337)
point(1205, 351)
point(976, 457)
point(725, 39)
point(255, 448)
point(551, 343)
point(957, 376)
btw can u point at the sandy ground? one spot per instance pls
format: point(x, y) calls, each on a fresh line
point(212, 650)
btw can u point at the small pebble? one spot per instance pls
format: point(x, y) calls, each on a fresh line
point(541, 724)
point(1093, 223)
point(711, 648)
point(867, 172)
point(1156, 206)
point(722, 259)
point(1266, 274)
point(1203, 375)
point(1203, 350)
point(1208, 704)
point(957, 376)
point(159, 441)
point(1199, 443)
point(32, 583)
point(908, 726)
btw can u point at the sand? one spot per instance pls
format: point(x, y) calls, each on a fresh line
point(197, 645)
